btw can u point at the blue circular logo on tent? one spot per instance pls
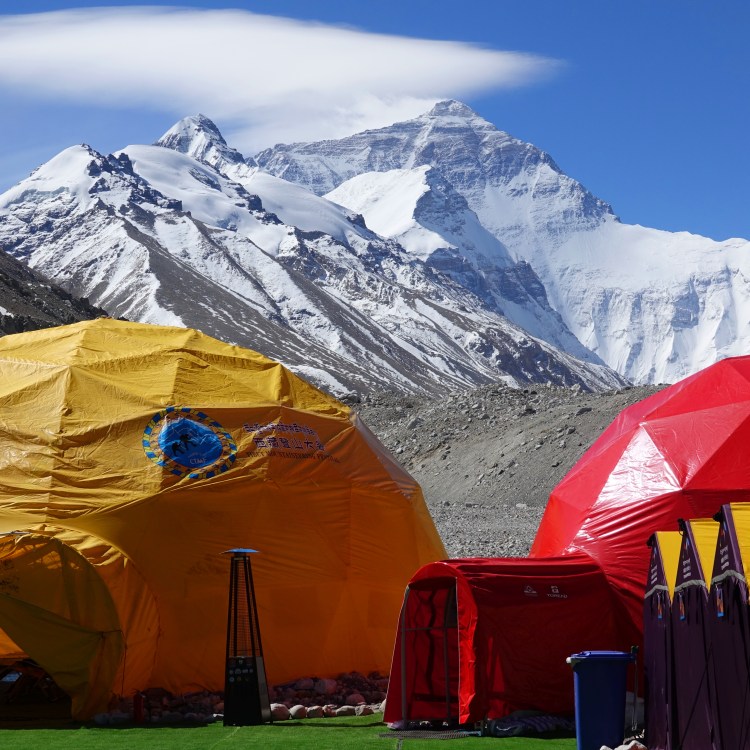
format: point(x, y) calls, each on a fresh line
point(188, 442)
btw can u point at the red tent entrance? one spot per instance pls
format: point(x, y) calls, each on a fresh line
point(428, 650)
point(480, 638)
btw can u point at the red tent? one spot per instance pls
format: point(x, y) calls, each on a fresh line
point(480, 638)
point(681, 453)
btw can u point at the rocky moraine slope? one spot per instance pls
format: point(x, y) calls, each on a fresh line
point(487, 459)
point(28, 300)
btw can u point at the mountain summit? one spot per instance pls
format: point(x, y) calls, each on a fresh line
point(655, 306)
point(508, 287)
point(197, 136)
point(450, 107)
point(470, 152)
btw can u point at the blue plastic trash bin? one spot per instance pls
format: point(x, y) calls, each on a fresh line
point(600, 679)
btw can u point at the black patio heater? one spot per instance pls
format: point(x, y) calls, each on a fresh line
point(245, 689)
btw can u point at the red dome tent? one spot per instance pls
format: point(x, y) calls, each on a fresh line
point(681, 453)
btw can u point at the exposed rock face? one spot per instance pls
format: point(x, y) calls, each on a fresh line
point(29, 301)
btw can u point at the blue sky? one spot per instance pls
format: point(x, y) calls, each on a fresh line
point(646, 103)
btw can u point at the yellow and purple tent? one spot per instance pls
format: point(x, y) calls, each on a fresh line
point(729, 628)
point(657, 639)
point(695, 724)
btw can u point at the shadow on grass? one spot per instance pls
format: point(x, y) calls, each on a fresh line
point(37, 714)
point(332, 725)
point(27, 723)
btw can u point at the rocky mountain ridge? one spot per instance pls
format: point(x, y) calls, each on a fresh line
point(432, 255)
point(505, 286)
point(29, 301)
point(153, 234)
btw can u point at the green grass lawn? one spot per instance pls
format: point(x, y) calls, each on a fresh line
point(311, 734)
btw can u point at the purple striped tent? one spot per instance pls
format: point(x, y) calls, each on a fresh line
point(695, 721)
point(729, 622)
point(657, 639)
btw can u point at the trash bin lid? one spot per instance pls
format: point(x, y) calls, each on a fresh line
point(608, 655)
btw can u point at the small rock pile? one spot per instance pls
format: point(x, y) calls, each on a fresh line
point(350, 694)
point(159, 706)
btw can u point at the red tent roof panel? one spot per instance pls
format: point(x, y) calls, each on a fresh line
point(680, 453)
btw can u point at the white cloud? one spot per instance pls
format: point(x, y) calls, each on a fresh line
point(268, 79)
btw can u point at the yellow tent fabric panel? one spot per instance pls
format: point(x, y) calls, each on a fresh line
point(9, 648)
point(669, 547)
point(705, 533)
point(83, 662)
point(58, 610)
point(151, 450)
point(136, 607)
point(741, 518)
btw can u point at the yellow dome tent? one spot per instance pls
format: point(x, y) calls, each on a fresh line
point(132, 456)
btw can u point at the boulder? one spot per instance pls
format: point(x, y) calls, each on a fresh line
point(298, 712)
point(279, 712)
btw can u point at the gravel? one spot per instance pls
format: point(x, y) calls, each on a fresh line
point(487, 459)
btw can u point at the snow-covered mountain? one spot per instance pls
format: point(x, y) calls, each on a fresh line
point(200, 138)
point(508, 287)
point(431, 254)
point(187, 232)
point(422, 211)
point(654, 305)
